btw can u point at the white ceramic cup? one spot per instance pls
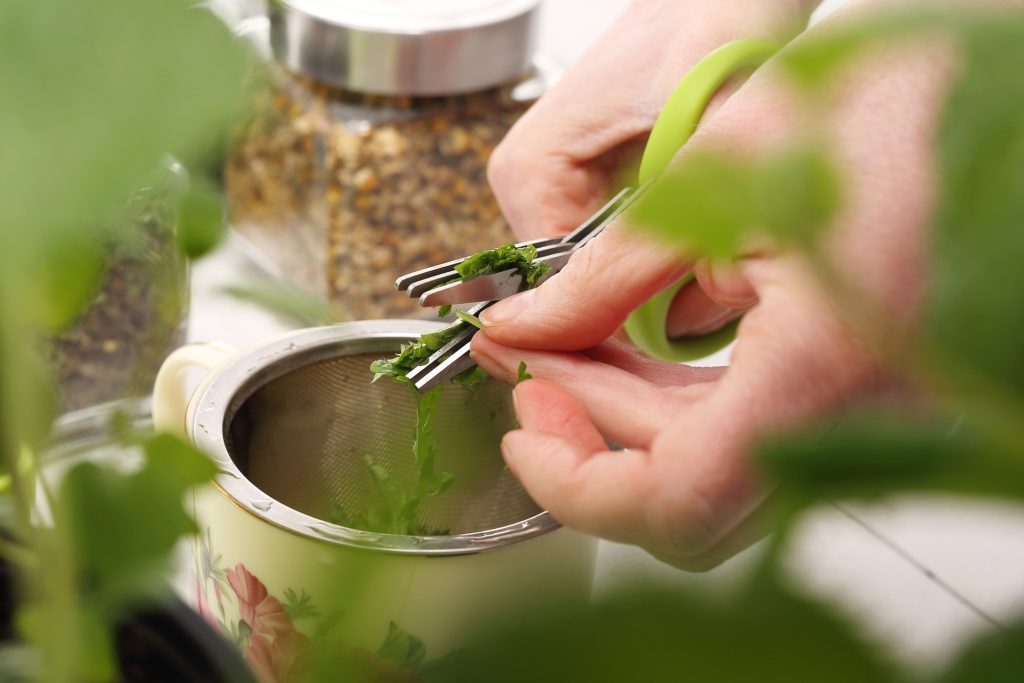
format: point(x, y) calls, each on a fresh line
point(269, 575)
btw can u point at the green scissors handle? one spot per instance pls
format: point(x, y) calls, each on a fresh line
point(676, 123)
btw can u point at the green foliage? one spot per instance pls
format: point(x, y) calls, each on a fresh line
point(504, 258)
point(201, 220)
point(766, 634)
point(472, 377)
point(469, 319)
point(394, 508)
point(415, 353)
point(121, 528)
point(876, 454)
point(814, 61)
point(288, 301)
point(112, 539)
point(974, 313)
point(521, 374)
point(713, 203)
point(67, 282)
point(95, 96)
point(994, 658)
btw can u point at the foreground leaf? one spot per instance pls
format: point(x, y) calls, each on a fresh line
point(766, 634)
point(974, 312)
point(994, 658)
point(878, 454)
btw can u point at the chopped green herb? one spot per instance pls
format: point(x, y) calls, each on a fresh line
point(442, 311)
point(414, 353)
point(395, 508)
point(472, 378)
point(522, 375)
point(493, 260)
point(470, 319)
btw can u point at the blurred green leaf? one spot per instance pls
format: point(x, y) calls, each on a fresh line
point(95, 95)
point(877, 454)
point(766, 634)
point(27, 388)
point(974, 306)
point(711, 204)
point(67, 282)
point(286, 300)
point(121, 528)
point(201, 220)
point(112, 539)
point(814, 61)
point(994, 658)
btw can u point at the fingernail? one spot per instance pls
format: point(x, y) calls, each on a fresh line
point(507, 310)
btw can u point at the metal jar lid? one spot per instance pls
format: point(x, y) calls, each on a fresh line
point(405, 47)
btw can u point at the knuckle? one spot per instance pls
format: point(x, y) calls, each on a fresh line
point(503, 166)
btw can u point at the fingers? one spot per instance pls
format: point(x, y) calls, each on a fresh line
point(562, 462)
point(557, 163)
point(590, 298)
point(719, 295)
point(693, 313)
point(724, 284)
point(626, 357)
point(626, 409)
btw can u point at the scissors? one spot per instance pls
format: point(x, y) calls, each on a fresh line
point(442, 285)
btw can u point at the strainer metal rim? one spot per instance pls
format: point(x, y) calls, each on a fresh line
point(211, 410)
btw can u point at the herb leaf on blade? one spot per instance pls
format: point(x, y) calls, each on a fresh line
point(493, 260)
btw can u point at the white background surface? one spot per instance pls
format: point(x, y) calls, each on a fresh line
point(975, 548)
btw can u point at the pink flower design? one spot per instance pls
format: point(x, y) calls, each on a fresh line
point(275, 648)
point(261, 611)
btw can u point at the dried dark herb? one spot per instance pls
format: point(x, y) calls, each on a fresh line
point(135, 318)
point(342, 190)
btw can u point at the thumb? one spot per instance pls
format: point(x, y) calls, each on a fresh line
point(590, 298)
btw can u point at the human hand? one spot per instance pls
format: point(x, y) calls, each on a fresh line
point(561, 160)
point(685, 489)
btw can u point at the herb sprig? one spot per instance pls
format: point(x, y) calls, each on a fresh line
point(414, 354)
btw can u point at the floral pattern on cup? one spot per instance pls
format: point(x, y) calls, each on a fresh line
point(237, 602)
point(273, 648)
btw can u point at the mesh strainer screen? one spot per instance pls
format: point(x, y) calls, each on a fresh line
point(302, 437)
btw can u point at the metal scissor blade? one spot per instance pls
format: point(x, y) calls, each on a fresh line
point(405, 281)
point(426, 284)
point(600, 217)
point(449, 360)
point(492, 287)
point(458, 361)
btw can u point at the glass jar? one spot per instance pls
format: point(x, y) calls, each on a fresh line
point(138, 313)
point(366, 156)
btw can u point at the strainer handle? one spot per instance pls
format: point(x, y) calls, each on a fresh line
point(170, 399)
